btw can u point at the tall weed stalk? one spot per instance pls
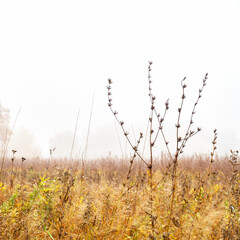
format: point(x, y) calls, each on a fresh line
point(181, 141)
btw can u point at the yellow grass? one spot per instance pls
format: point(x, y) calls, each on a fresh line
point(56, 203)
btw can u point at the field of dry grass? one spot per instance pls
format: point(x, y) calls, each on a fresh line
point(58, 201)
point(174, 197)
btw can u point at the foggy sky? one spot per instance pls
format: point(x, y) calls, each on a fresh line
point(55, 55)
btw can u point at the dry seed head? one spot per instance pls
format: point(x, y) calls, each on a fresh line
point(178, 125)
point(167, 104)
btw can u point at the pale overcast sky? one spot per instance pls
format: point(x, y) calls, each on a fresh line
point(55, 55)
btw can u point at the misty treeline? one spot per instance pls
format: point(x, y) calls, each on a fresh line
point(4, 127)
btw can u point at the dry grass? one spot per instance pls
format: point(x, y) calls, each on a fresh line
point(58, 204)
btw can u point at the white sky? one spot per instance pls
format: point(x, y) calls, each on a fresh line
point(54, 55)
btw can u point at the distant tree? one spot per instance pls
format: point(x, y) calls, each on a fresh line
point(23, 140)
point(4, 125)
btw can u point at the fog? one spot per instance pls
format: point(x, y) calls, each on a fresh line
point(24, 143)
point(62, 143)
point(55, 56)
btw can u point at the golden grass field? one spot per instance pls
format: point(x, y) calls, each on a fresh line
point(174, 197)
point(61, 200)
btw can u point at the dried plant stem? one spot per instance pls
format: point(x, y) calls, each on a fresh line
point(160, 119)
point(74, 136)
point(179, 148)
point(118, 139)
point(151, 144)
point(121, 123)
point(131, 162)
point(175, 162)
point(84, 154)
point(7, 143)
point(150, 169)
point(180, 142)
point(89, 128)
point(12, 173)
point(145, 139)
